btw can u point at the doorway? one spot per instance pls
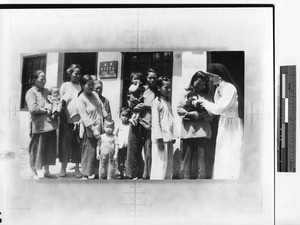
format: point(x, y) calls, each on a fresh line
point(87, 61)
point(234, 61)
point(161, 62)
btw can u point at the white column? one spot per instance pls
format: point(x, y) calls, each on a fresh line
point(52, 69)
point(112, 87)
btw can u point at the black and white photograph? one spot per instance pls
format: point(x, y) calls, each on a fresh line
point(141, 115)
point(208, 117)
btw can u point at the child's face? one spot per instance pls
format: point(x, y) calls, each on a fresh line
point(124, 119)
point(109, 129)
point(136, 80)
point(55, 92)
point(165, 89)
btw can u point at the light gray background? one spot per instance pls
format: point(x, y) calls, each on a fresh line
point(241, 202)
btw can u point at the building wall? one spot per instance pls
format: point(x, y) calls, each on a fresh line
point(112, 86)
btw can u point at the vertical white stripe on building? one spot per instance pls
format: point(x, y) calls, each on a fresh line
point(286, 110)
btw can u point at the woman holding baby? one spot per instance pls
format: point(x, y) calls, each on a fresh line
point(195, 127)
point(42, 147)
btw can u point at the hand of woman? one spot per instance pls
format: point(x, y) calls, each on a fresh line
point(96, 134)
point(48, 112)
point(115, 156)
point(139, 107)
point(98, 156)
point(199, 100)
point(160, 143)
point(76, 124)
point(98, 151)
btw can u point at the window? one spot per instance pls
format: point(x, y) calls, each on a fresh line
point(30, 64)
point(161, 62)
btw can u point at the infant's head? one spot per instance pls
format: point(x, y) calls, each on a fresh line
point(136, 78)
point(55, 92)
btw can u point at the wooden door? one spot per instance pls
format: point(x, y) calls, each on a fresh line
point(87, 61)
point(235, 63)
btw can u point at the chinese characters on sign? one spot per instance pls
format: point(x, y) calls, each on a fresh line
point(108, 69)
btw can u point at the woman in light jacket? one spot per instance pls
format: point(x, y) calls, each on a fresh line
point(92, 112)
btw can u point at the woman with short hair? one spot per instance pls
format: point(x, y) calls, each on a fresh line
point(42, 147)
point(92, 112)
point(70, 144)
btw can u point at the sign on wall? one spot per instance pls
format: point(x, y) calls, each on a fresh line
point(108, 69)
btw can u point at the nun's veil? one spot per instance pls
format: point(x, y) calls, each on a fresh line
point(221, 70)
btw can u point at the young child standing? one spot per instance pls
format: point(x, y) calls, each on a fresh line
point(163, 132)
point(136, 91)
point(122, 132)
point(107, 151)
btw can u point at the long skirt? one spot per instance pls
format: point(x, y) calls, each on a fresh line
point(135, 163)
point(194, 156)
point(42, 150)
point(122, 162)
point(70, 144)
point(228, 156)
point(146, 143)
point(162, 162)
point(88, 155)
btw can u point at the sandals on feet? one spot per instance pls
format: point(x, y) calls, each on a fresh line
point(50, 176)
point(62, 174)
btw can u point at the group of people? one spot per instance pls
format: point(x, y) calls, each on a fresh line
point(74, 123)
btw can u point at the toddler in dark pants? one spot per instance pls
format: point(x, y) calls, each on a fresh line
point(122, 132)
point(107, 151)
